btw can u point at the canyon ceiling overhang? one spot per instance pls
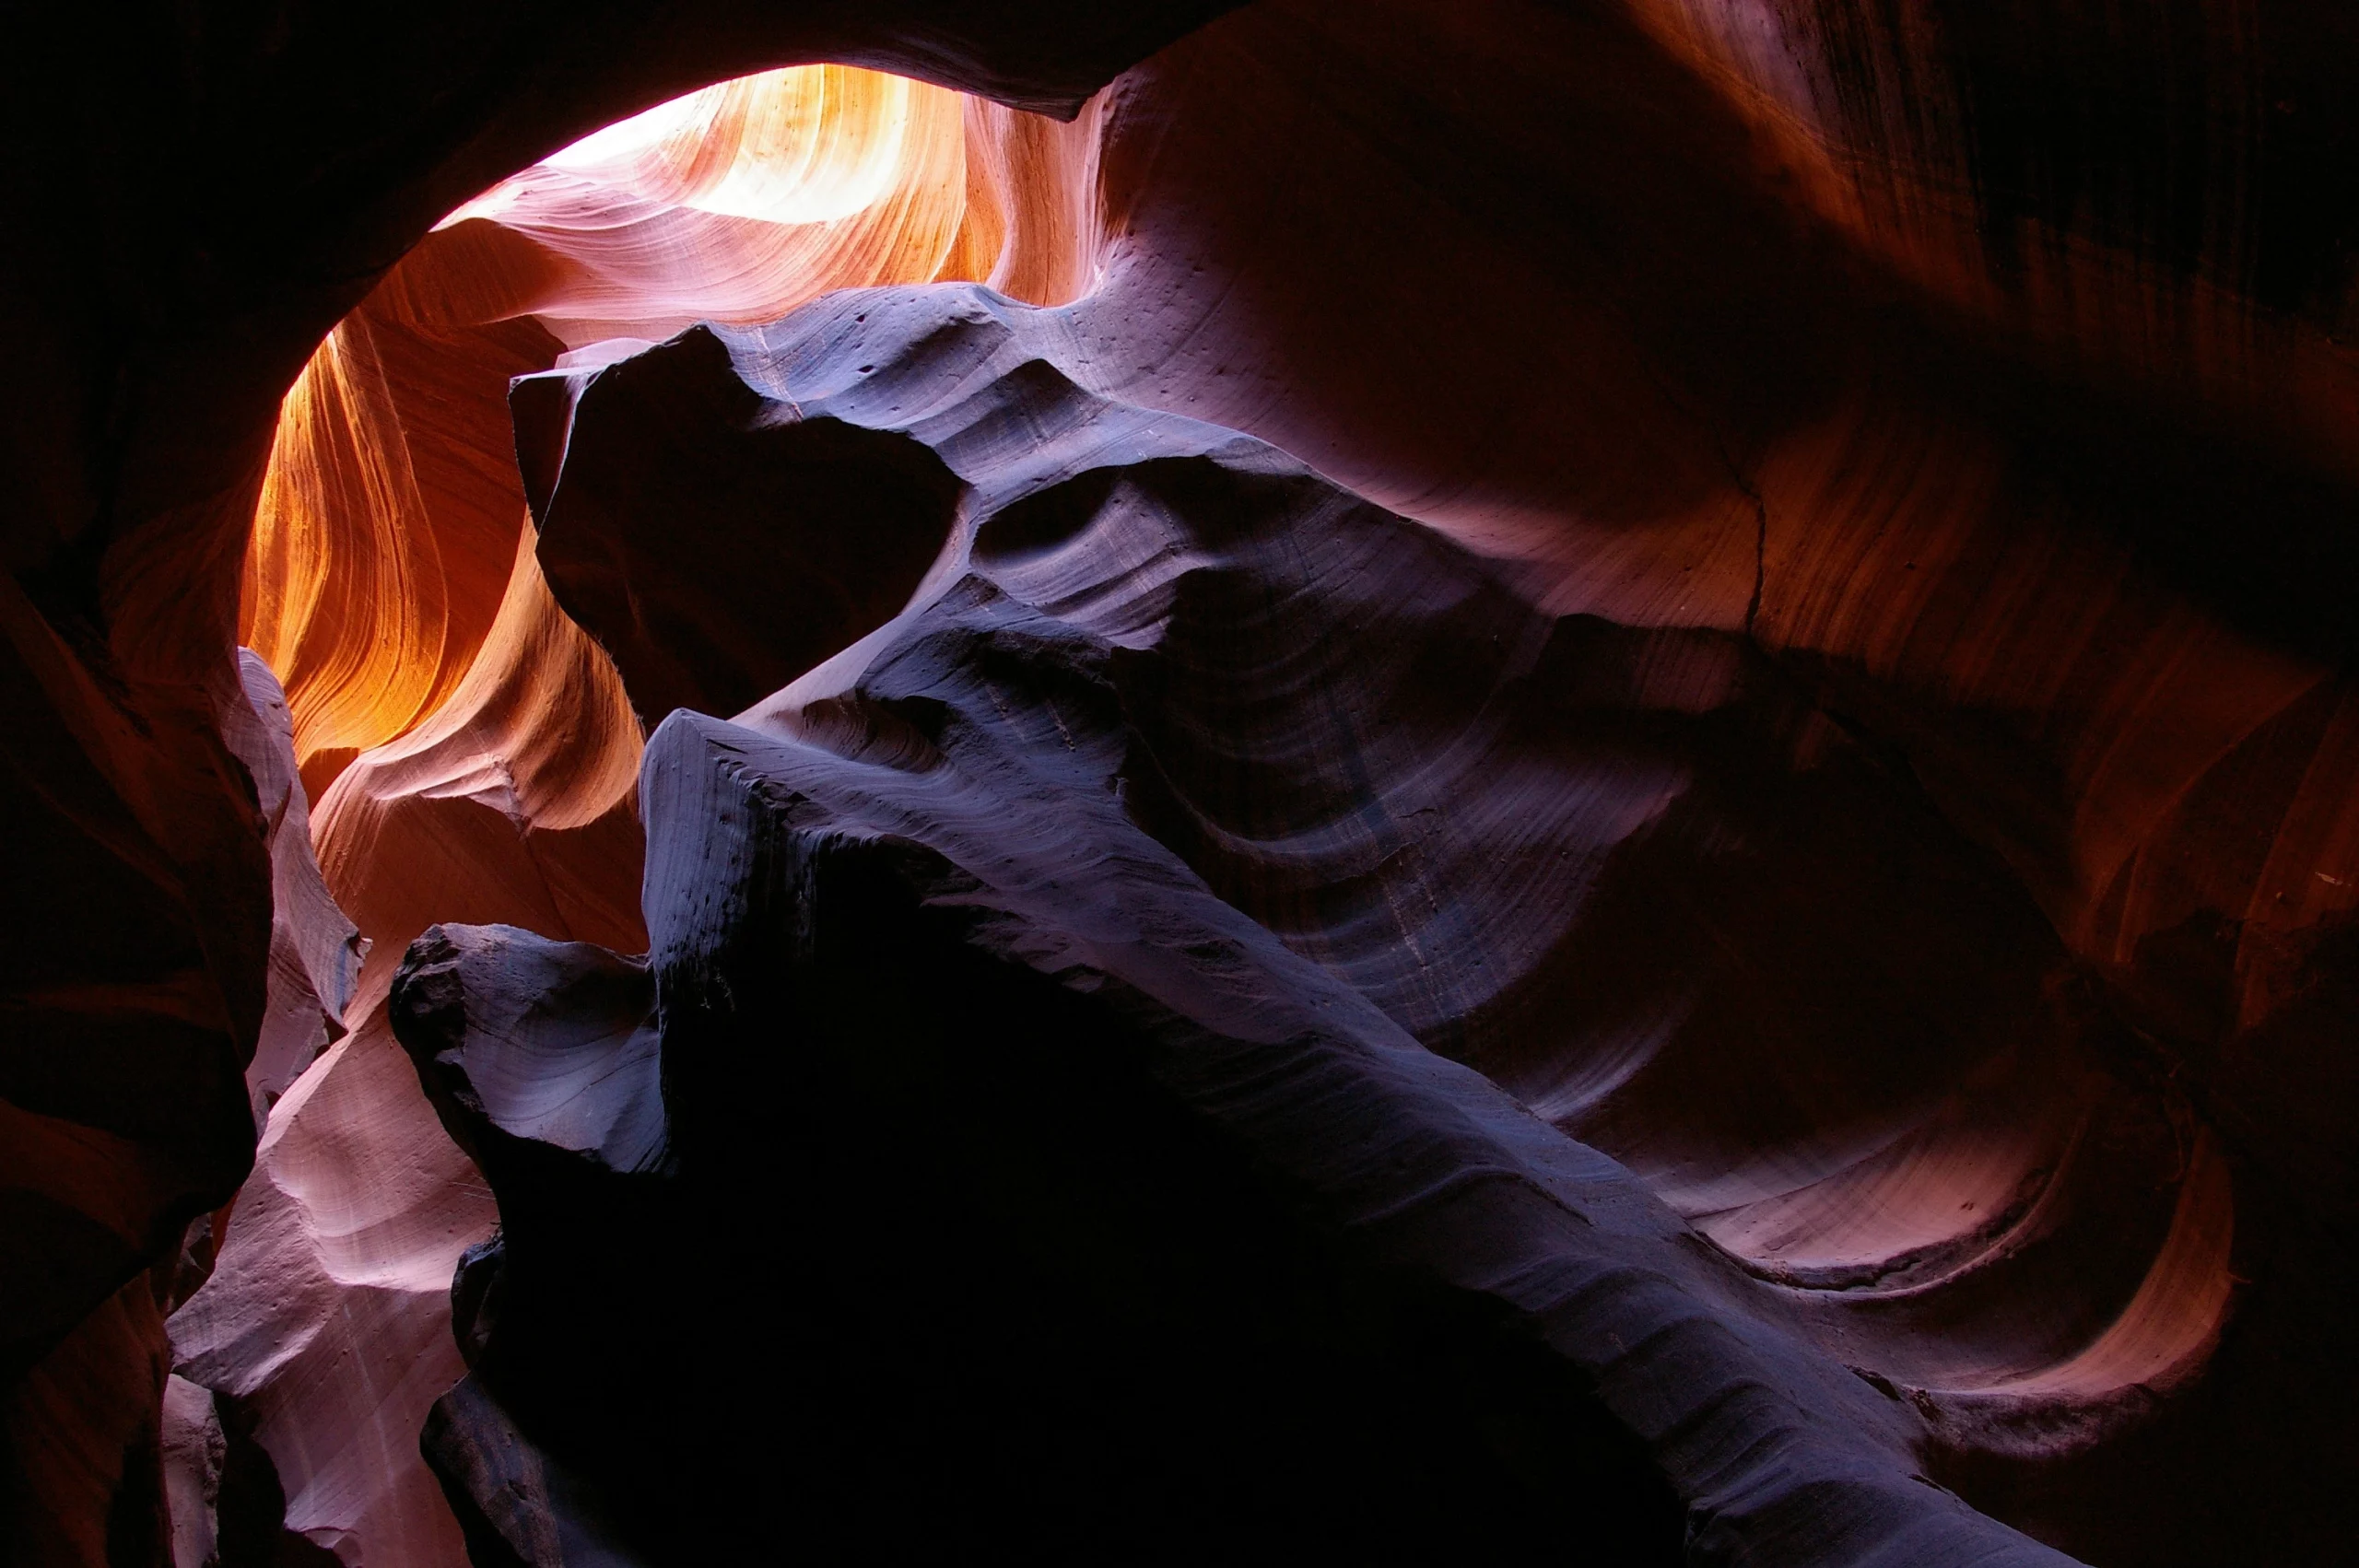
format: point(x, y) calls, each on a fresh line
point(1585, 772)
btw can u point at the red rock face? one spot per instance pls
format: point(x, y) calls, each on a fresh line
point(1617, 767)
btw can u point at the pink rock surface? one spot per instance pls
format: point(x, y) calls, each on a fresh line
point(327, 1318)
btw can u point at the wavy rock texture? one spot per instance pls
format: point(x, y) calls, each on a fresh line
point(477, 753)
point(1903, 454)
point(1545, 845)
point(714, 577)
point(2059, 537)
point(325, 1324)
point(514, 797)
point(324, 1331)
point(315, 952)
point(390, 508)
point(201, 234)
point(1950, 1125)
point(1284, 784)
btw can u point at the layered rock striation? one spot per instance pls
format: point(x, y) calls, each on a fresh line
point(1305, 801)
point(1774, 769)
point(214, 194)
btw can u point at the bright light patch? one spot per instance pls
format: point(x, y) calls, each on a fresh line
point(810, 143)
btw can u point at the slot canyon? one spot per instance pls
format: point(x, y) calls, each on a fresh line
point(1408, 780)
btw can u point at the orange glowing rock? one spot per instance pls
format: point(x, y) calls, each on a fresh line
point(472, 753)
point(1821, 665)
point(194, 245)
point(512, 802)
point(388, 516)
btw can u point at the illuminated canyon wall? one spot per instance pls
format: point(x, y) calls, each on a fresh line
point(474, 754)
point(1456, 780)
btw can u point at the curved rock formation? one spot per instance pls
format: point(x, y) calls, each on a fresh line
point(750, 568)
point(390, 506)
point(196, 241)
point(325, 1333)
point(1546, 845)
point(91, 1424)
point(315, 953)
point(324, 1329)
point(1835, 696)
point(1986, 523)
point(481, 748)
point(383, 579)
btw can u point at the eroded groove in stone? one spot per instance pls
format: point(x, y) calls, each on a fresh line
point(1200, 730)
point(1903, 454)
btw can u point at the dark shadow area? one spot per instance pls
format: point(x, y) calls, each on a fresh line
point(942, 1265)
